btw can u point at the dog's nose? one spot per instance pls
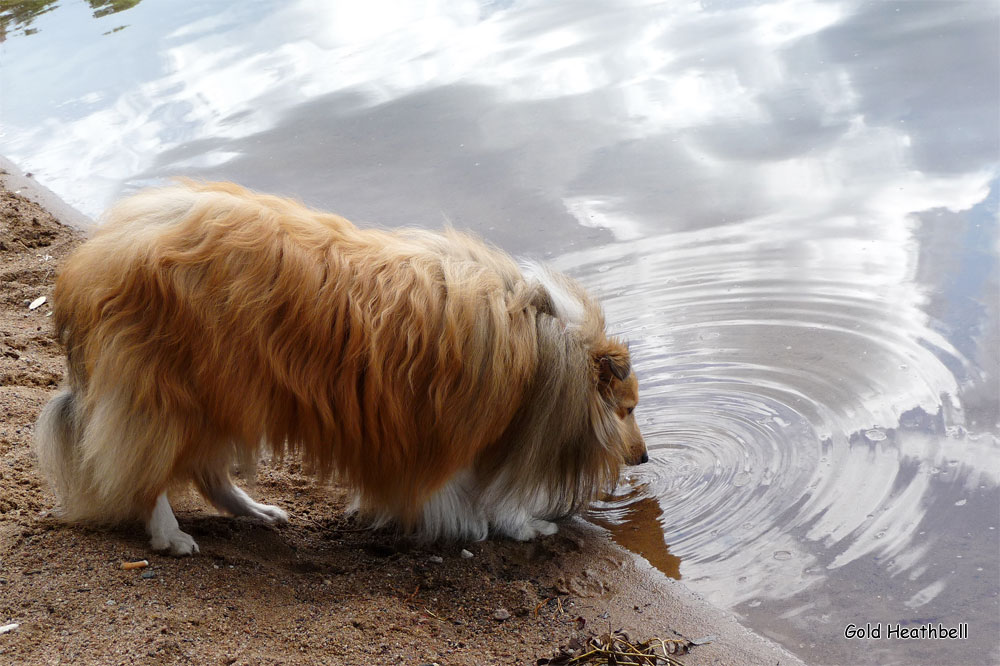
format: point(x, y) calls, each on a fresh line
point(644, 458)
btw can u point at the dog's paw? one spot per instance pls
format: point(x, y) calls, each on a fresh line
point(176, 543)
point(271, 514)
point(532, 528)
point(544, 527)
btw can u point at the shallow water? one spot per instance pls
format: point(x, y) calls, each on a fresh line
point(789, 208)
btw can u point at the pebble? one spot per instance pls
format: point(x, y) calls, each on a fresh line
point(501, 614)
point(436, 559)
point(109, 602)
point(147, 574)
point(466, 554)
point(35, 304)
point(9, 627)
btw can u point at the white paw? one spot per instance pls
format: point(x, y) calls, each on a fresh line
point(544, 527)
point(532, 528)
point(235, 501)
point(270, 514)
point(177, 543)
point(166, 534)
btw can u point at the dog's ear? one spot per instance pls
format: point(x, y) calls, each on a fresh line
point(612, 362)
point(542, 301)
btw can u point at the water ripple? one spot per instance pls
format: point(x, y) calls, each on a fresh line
point(775, 370)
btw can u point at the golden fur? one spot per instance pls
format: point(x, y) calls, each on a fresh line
point(204, 320)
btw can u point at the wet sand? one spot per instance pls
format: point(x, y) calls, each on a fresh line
point(319, 590)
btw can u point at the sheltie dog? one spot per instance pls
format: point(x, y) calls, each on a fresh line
point(455, 392)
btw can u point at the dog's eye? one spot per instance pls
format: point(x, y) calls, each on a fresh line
point(631, 409)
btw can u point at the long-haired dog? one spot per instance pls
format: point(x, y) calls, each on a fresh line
point(455, 392)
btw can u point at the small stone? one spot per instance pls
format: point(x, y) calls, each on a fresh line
point(501, 614)
point(9, 627)
point(466, 554)
point(37, 303)
point(147, 574)
point(109, 602)
point(436, 559)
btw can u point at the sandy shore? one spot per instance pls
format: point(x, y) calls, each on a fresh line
point(319, 590)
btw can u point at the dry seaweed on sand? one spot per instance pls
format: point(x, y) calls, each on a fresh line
point(618, 649)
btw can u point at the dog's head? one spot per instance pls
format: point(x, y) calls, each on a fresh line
point(574, 428)
point(618, 387)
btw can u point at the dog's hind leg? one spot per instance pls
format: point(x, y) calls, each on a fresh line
point(165, 532)
point(220, 491)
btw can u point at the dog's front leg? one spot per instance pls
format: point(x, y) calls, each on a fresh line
point(165, 532)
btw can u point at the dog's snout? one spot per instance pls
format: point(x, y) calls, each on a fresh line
point(633, 459)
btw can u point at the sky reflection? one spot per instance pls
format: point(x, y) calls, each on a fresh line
point(636, 102)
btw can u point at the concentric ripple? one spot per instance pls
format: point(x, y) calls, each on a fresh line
point(790, 385)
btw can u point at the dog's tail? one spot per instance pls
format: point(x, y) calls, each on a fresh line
point(76, 478)
point(57, 434)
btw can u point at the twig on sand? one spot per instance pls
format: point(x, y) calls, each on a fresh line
point(615, 647)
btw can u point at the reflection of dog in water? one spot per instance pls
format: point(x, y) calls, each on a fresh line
point(454, 391)
point(639, 528)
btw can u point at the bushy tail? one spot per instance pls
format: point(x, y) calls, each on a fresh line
point(56, 435)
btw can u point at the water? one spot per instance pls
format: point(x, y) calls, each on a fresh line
point(789, 208)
